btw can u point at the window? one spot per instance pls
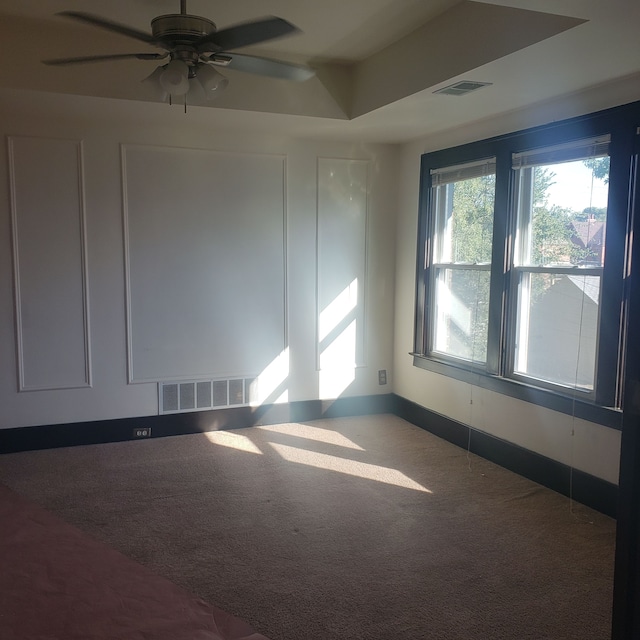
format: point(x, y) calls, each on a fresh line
point(463, 203)
point(522, 245)
point(561, 199)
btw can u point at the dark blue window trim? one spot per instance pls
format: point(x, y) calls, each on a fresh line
point(622, 124)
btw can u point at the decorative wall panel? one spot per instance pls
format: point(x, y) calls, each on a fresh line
point(49, 251)
point(205, 262)
point(342, 263)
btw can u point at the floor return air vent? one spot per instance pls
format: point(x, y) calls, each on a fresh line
point(200, 395)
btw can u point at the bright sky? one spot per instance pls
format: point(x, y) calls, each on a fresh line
point(575, 188)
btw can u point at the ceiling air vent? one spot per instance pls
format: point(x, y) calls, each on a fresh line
point(462, 88)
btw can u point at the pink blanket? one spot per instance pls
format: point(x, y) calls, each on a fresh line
point(58, 583)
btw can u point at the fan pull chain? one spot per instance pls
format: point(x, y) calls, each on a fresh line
point(469, 451)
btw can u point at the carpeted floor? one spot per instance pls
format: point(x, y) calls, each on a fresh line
point(364, 527)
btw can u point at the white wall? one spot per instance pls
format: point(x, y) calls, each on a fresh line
point(246, 241)
point(385, 259)
point(592, 448)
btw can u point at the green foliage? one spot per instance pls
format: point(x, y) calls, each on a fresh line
point(472, 232)
point(472, 220)
point(600, 168)
point(471, 242)
point(543, 178)
point(552, 235)
point(552, 226)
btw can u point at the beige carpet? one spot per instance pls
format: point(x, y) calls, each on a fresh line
point(356, 528)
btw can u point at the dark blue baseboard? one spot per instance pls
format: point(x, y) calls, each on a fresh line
point(118, 430)
point(583, 487)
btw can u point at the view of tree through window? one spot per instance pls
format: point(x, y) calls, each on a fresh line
point(564, 234)
point(465, 223)
point(561, 228)
point(473, 219)
point(561, 218)
point(561, 234)
point(521, 272)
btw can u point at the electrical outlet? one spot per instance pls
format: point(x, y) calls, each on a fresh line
point(382, 376)
point(143, 432)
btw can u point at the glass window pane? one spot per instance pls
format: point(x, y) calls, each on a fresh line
point(562, 213)
point(558, 328)
point(464, 220)
point(462, 313)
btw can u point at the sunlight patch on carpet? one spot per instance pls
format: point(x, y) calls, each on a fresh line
point(348, 467)
point(232, 440)
point(312, 433)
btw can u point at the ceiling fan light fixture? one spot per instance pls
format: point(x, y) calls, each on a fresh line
point(212, 81)
point(152, 82)
point(175, 78)
point(196, 93)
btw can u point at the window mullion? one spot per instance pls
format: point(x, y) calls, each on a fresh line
point(498, 281)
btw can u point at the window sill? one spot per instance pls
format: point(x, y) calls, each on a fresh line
point(583, 409)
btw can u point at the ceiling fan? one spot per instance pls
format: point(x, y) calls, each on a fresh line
point(195, 47)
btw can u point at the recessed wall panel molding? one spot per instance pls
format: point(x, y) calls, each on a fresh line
point(343, 187)
point(50, 265)
point(205, 255)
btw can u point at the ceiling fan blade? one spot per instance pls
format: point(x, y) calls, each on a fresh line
point(245, 34)
point(109, 25)
point(117, 56)
point(263, 66)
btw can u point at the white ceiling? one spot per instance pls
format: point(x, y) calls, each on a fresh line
point(378, 61)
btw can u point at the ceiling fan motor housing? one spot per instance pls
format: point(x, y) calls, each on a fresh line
point(181, 28)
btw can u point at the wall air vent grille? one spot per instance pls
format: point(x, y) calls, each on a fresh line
point(199, 395)
point(169, 397)
point(462, 88)
point(220, 398)
point(236, 391)
point(188, 396)
point(203, 394)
